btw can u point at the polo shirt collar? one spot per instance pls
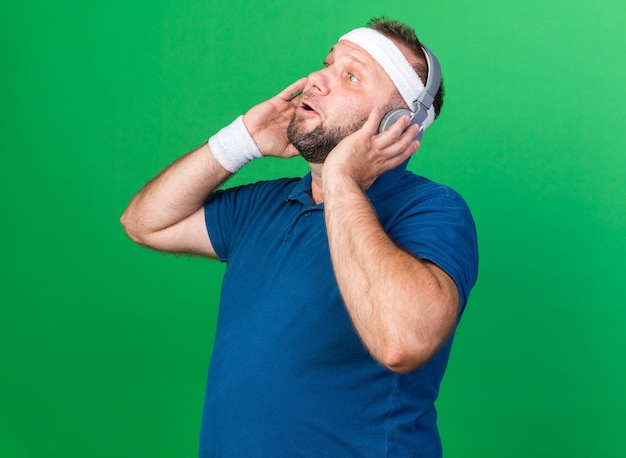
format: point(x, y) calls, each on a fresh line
point(302, 191)
point(386, 181)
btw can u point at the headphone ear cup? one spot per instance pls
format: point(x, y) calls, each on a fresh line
point(391, 117)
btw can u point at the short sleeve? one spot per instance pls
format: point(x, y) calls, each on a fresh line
point(437, 225)
point(229, 214)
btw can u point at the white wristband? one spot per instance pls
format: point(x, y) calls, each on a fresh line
point(233, 146)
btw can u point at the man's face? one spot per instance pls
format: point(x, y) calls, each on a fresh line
point(338, 99)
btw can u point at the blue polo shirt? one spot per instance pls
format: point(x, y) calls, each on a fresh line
point(289, 376)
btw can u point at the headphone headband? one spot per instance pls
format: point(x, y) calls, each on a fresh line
point(433, 81)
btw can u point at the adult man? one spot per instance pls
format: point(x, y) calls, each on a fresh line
point(342, 288)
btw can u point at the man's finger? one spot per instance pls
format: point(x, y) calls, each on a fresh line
point(293, 90)
point(373, 121)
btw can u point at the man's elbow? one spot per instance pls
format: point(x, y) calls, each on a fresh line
point(412, 350)
point(131, 229)
point(403, 360)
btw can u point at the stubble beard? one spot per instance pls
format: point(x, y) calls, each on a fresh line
point(315, 146)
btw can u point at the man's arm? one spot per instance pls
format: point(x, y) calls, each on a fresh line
point(402, 307)
point(168, 213)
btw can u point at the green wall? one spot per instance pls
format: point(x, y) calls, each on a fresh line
point(104, 345)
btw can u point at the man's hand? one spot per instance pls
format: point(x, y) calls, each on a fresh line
point(267, 122)
point(366, 154)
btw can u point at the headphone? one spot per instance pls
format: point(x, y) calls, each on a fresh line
point(424, 100)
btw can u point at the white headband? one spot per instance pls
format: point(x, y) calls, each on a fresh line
point(396, 66)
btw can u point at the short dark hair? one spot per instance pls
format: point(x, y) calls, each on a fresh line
point(405, 34)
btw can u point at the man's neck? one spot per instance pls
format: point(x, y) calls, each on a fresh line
point(317, 193)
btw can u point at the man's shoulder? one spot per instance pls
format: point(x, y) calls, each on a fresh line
point(420, 189)
point(278, 186)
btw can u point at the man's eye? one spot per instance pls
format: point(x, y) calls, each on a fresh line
point(352, 78)
point(325, 64)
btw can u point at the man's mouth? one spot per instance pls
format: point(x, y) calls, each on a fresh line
point(307, 109)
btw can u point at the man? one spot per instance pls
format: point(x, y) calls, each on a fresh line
point(343, 288)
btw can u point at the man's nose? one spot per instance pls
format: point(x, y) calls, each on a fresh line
point(320, 81)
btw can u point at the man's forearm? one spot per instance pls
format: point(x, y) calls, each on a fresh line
point(402, 308)
point(173, 195)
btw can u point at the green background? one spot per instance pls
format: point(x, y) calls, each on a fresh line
point(104, 345)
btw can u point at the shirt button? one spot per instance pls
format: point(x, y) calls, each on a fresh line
point(308, 213)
